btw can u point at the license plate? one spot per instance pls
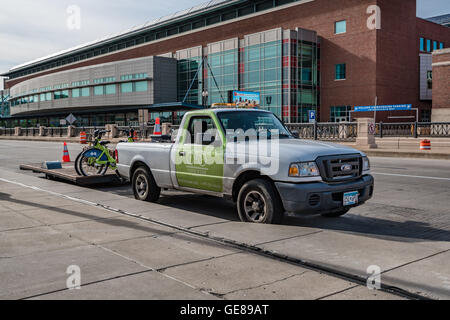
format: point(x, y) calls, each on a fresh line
point(351, 198)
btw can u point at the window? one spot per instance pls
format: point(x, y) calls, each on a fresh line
point(430, 80)
point(126, 87)
point(64, 94)
point(98, 90)
point(340, 27)
point(435, 45)
point(340, 114)
point(134, 76)
point(422, 44)
point(428, 45)
point(110, 89)
point(198, 126)
point(441, 45)
point(85, 92)
point(141, 86)
point(425, 115)
point(42, 97)
point(75, 93)
point(48, 96)
point(341, 72)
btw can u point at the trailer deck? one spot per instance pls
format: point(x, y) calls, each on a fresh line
point(68, 174)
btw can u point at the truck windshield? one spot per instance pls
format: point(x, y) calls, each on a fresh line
point(261, 122)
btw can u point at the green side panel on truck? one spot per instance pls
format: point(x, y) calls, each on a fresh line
point(201, 166)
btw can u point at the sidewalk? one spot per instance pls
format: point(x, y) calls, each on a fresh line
point(126, 258)
point(408, 148)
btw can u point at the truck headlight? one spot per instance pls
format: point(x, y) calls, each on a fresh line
point(366, 164)
point(304, 169)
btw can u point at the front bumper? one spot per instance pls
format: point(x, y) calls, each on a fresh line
point(319, 197)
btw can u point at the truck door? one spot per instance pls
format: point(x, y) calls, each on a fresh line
point(200, 156)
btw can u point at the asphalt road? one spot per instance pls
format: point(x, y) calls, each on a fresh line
point(404, 229)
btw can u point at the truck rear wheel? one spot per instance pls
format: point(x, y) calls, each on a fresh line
point(336, 214)
point(258, 202)
point(144, 186)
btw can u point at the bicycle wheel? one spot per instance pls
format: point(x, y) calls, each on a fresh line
point(88, 163)
point(77, 164)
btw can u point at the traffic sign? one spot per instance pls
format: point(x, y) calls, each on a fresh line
point(71, 119)
point(312, 116)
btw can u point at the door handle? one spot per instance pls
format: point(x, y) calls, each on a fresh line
point(182, 153)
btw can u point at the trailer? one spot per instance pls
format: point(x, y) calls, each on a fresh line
point(68, 174)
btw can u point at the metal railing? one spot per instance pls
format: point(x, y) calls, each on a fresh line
point(344, 131)
point(339, 132)
point(7, 131)
point(413, 129)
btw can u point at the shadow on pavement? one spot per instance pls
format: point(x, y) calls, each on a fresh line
point(404, 231)
point(112, 221)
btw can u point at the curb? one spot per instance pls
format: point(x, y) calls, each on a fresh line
point(400, 154)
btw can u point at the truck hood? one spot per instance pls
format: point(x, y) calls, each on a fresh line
point(296, 150)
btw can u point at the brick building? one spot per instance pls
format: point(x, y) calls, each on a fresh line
point(441, 86)
point(301, 55)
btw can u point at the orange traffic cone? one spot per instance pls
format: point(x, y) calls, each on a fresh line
point(157, 131)
point(66, 156)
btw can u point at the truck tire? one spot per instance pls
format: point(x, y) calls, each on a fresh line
point(144, 186)
point(258, 202)
point(336, 214)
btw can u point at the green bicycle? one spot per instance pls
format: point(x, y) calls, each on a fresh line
point(97, 159)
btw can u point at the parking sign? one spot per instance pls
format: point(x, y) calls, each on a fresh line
point(312, 116)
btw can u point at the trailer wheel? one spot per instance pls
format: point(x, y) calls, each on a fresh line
point(144, 185)
point(258, 202)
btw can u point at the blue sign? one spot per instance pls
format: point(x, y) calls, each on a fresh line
point(246, 99)
point(312, 116)
point(395, 107)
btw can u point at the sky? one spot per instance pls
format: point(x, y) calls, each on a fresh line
point(31, 29)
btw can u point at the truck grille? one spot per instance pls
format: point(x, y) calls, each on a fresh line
point(340, 168)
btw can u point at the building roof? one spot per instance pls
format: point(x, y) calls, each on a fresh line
point(443, 20)
point(181, 15)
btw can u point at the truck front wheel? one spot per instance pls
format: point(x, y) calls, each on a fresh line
point(144, 185)
point(258, 202)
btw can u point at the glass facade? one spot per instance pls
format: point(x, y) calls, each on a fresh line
point(262, 72)
point(188, 70)
point(222, 75)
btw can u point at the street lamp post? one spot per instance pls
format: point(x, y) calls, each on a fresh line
point(205, 95)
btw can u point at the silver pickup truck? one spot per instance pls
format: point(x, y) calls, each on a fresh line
point(248, 156)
